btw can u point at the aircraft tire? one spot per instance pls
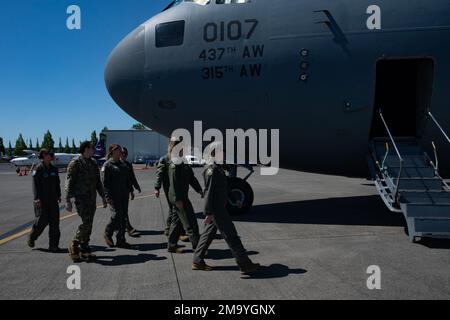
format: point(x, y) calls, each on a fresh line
point(242, 191)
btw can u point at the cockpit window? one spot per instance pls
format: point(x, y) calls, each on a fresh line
point(169, 34)
point(200, 2)
point(177, 2)
point(232, 1)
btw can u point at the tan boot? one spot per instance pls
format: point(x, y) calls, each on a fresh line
point(184, 238)
point(109, 241)
point(201, 266)
point(175, 250)
point(74, 252)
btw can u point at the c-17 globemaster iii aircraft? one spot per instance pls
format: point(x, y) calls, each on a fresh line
point(356, 87)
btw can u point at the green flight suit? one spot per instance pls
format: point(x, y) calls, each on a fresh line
point(118, 185)
point(181, 177)
point(216, 197)
point(47, 189)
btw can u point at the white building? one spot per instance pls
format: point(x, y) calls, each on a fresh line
point(142, 145)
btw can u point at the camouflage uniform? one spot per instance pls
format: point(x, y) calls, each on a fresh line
point(180, 177)
point(136, 186)
point(47, 189)
point(118, 186)
point(83, 183)
point(216, 197)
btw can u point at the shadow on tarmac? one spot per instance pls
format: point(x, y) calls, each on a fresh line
point(127, 259)
point(149, 233)
point(273, 271)
point(435, 243)
point(363, 211)
point(265, 272)
point(218, 254)
point(62, 250)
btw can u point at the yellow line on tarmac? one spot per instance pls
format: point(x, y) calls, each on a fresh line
point(28, 230)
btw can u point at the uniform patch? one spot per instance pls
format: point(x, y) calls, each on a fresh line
point(172, 165)
point(103, 169)
point(209, 172)
point(34, 173)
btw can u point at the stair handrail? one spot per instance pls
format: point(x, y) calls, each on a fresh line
point(439, 126)
point(396, 150)
point(436, 166)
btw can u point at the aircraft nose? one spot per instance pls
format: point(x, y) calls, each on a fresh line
point(124, 72)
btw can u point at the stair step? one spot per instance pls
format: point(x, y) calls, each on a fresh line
point(425, 198)
point(432, 227)
point(412, 172)
point(418, 211)
point(408, 161)
point(425, 184)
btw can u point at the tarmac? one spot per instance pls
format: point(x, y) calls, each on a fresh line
point(314, 235)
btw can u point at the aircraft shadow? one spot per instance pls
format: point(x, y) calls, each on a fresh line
point(127, 259)
point(435, 243)
point(363, 210)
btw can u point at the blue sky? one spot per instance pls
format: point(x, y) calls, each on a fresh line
point(51, 77)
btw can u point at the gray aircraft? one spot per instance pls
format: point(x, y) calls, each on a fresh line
point(356, 87)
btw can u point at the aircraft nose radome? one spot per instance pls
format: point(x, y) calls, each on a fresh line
point(124, 73)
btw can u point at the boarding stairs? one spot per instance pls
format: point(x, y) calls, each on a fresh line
point(408, 181)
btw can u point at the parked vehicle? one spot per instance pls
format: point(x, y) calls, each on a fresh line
point(194, 161)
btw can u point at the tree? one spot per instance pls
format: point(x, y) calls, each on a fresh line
point(20, 146)
point(10, 151)
point(74, 148)
point(38, 147)
point(94, 137)
point(2, 148)
point(138, 126)
point(48, 142)
point(60, 146)
point(105, 129)
point(67, 147)
point(30, 145)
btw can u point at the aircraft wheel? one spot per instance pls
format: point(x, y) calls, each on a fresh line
point(240, 192)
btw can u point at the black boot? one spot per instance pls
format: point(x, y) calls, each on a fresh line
point(30, 242)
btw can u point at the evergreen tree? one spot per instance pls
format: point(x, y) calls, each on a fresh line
point(30, 145)
point(2, 148)
point(94, 138)
point(48, 142)
point(20, 146)
point(60, 146)
point(10, 150)
point(38, 147)
point(74, 148)
point(105, 129)
point(138, 126)
point(67, 147)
